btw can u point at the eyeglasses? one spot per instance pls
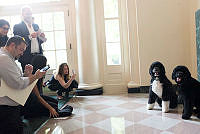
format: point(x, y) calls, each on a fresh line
point(5, 28)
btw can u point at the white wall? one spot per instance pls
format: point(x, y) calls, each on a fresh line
point(158, 30)
point(164, 35)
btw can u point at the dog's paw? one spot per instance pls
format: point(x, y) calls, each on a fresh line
point(165, 110)
point(185, 117)
point(165, 106)
point(195, 111)
point(150, 106)
point(198, 115)
point(160, 105)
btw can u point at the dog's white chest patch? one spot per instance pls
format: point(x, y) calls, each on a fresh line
point(157, 88)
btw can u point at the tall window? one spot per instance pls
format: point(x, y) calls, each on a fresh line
point(112, 29)
point(53, 25)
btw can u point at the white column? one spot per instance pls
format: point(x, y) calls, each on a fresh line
point(88, 63)
point(133, 45)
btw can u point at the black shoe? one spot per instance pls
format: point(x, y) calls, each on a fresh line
point(64, 112)
point(198, 115)
point(185, 117)
point(68, 107)
point(66, 94)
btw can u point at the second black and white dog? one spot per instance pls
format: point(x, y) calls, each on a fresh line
point(161, 90)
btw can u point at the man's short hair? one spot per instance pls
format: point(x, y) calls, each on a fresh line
point(16, 39)
point(4, 22)
point(25, 7)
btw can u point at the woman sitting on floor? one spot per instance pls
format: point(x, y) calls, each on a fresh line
point(62, 82)
point(38, 104)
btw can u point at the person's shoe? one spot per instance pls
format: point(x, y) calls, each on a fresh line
point(64, 112)
point(66, 94)
point(185, 117)
point(68, 107)
point(45, 83)
point(59, 97)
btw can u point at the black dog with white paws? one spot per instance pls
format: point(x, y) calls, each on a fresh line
point(161, 89)
point(189, 90)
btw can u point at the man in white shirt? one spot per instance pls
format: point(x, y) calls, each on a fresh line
point(32, 35)
point(10, 121)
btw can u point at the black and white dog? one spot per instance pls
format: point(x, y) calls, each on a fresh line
point(161, 89)
point(188, 89)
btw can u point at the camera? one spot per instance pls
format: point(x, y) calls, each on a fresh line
point(45, 68)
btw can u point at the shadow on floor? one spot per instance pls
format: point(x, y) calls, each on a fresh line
point(31, 125)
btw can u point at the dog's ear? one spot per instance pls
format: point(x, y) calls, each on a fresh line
point(151, 69)
point(162, 68)
point(186, 71)
point(174, 73)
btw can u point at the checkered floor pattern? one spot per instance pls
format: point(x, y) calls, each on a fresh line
point(122, 114)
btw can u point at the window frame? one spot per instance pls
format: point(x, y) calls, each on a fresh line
point(47, 7)
point(120, 34)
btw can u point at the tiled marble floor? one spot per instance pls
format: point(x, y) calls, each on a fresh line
point(123, 114)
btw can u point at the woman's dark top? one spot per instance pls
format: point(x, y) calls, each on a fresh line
point(55, 85)
point(3, 40)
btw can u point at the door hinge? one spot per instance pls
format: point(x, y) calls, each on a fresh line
point(70, 46)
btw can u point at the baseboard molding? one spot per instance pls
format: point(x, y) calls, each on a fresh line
point(84, 92)
point(141, 89)
point(145, 89)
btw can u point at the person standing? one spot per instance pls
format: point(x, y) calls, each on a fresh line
point(4, 27)
point(32, 35)
point(10, 121)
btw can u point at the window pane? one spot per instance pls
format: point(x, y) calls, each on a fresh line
point(61, 56)
point(15, 20)
point(12, 21)
point(14, 2)
point(113, 53)
point(38, 19)
point(110, 8)
point(53, 26)
point(59, 21)
point(49, 44)
point(60, 39)
point(47, 22)
point(51, 58)
point(5, 18)
point(112, 30)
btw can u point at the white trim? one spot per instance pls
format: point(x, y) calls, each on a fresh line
point(133, 40)
point(37, 7)
point(132, 84)
point(90, 86)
